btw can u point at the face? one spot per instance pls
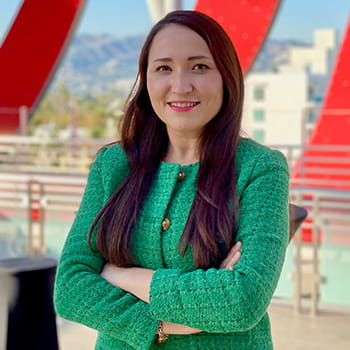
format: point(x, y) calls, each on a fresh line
point(183, 82)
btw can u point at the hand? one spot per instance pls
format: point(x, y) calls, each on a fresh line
point(232, 257)
point(137, 281)
point(134, 280)
point(110, 273)
point(174, 328)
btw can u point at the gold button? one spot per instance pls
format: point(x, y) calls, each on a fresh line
point(165, 224)
point(181, 175)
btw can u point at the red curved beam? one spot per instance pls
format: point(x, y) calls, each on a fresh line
point(40, 32)
point(247, 23)
point(332, 129)
point(31, 52)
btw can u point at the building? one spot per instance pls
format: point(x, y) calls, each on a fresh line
point(277, 106)
point(318, 58)
point(281, 106)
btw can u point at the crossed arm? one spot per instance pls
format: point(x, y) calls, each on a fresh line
point(137, 281)
point(81, 295)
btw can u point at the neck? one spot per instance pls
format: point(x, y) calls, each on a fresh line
point(182, 150)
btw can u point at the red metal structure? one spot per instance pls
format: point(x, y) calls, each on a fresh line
point(331, 131)
point(41, 31)
point(247, 22)
point(30, 54)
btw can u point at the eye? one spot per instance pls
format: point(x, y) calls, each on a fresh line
point(163, 68)
point(200, 67)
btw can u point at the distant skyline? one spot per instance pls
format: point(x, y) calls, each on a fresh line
point(295, 19)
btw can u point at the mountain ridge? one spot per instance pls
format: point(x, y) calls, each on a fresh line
point(98, 63)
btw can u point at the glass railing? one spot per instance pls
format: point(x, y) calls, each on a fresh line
point(42, 181)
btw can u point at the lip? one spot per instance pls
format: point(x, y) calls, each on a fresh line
point(182, 106)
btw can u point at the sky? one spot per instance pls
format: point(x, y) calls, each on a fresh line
point(296, 19)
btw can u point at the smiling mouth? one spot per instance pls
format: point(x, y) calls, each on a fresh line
point(182, 106)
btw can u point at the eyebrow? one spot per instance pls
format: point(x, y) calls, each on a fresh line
point(191, 58)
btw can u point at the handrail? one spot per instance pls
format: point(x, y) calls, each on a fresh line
point(32, 186)
point(328, 216)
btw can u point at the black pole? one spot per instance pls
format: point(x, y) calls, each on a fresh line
point(31, 318)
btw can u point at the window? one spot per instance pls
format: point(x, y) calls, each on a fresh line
point(310, 116)
point(258, 115)
point(259, 135)
point(310, 93)
point(259, 93)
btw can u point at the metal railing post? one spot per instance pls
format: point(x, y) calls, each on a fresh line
point(36, 223)
point(315, 259)
point(30, 237)
point(297, 266)
point(42, 243)
point(23, 120)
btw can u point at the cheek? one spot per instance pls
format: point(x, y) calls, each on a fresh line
point(154, 89)
point(213, 88)
point(217, 93)
point(149, 85)
point(155, 95)
point(220, 92)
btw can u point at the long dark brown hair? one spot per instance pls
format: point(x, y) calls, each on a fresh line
point(210, 225)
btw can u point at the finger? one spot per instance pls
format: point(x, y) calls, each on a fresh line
point(235, 259)
point(230, 255)
point(233, 251)
point(230, 263)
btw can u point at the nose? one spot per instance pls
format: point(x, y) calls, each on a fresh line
point(181, 82)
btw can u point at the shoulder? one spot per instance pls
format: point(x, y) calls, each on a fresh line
point(250, 153)
point(112, 164)
point(110, 156)
point(254, 161)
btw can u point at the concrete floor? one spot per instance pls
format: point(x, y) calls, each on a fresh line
point(328, 330)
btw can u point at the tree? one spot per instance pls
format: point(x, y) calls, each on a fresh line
point(90, 111)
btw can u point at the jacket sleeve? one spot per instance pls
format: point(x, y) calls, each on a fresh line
point(229, 301)
point(81, 295)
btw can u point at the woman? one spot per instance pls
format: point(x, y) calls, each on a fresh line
point(188, 221)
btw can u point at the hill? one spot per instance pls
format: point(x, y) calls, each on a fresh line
point(97, 63)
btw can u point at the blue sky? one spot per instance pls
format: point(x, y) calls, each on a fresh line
point(296, 18)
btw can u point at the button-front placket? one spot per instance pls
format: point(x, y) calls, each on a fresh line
point(165, 224)
point(181, 175)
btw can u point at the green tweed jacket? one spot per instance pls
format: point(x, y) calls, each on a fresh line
point(229, 306)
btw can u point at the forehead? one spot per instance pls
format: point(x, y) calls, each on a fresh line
point(177, 40)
